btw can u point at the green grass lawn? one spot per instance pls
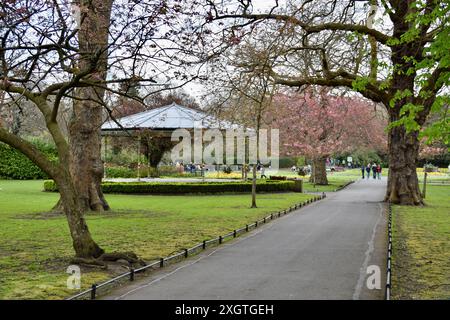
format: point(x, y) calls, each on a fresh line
point(35, 247)
point(335, 180)
point(421, 248)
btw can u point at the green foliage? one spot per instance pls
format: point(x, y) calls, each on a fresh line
point(123, 157)
point(120, 172)
point(436, 55)
point(288, 162)
point(363, 157)
point(15, 165)
point(360, 83)
point(182, 188)
point(278, 177)
point(301, 161)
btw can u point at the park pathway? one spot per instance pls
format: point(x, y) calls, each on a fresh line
point(321, 251)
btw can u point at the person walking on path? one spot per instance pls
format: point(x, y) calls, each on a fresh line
point(368, 170)
point(374, 170)
point(263, 171)
point(363, 169)
point(379, 172)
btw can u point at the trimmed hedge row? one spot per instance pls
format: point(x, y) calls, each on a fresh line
point(181, 187)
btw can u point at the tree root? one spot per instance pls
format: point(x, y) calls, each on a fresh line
point(104, 259)
point(89, 262)
point(131, 257)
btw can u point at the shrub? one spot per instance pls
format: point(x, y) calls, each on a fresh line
point(277, 177)
point(287, 162)
point(120, 172)
point(15, 165)
point(182, 188)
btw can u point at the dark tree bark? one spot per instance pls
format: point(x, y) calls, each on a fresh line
point(319, 172)
point(84, 129)
point(403, 147)
point(85, 143)
point(83, 244)
point(403, 184)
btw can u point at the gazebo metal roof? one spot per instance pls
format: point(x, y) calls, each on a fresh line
point(169, 117)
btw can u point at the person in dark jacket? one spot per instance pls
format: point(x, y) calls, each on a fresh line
point(363, 169)
point(368, 170)
point(374, 170)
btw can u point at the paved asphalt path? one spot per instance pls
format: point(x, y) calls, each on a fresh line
point(321, 251)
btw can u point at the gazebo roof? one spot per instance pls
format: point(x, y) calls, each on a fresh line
point(169, 117)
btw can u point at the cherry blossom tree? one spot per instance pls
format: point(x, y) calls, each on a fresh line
point(318, 123)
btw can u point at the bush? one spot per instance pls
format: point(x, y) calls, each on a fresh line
point(287, 162)
point(15, 165)
point(120, 172)
point(182, 188)
point(277, 177)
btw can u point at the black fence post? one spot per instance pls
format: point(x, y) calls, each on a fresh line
point(246, 228)
point(161, 262)
point(220, 239)
point(264, 219)
point(256, 224)
point(132, 274)
point(93, 291)
point(185, 253)
point(204, 244)
point(234, 234)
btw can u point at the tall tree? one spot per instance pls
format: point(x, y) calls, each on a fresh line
point(44, 60)
point(246, 92)
point(392, 52)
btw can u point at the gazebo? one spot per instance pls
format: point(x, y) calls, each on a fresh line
point(158, 124)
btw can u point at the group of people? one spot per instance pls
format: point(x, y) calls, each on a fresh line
point(375, 168)
point(190, 167)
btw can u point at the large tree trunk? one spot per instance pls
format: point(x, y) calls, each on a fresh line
point(85, 247)
point(85, 144)
point(319, 172)
point(403, 185)
point(84, 130)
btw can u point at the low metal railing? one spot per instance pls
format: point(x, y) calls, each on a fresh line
point(389, 257)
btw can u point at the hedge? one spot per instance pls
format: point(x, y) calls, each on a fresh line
point(14, 165)
point(181, 187)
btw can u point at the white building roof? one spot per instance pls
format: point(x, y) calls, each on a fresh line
point(172, 116)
